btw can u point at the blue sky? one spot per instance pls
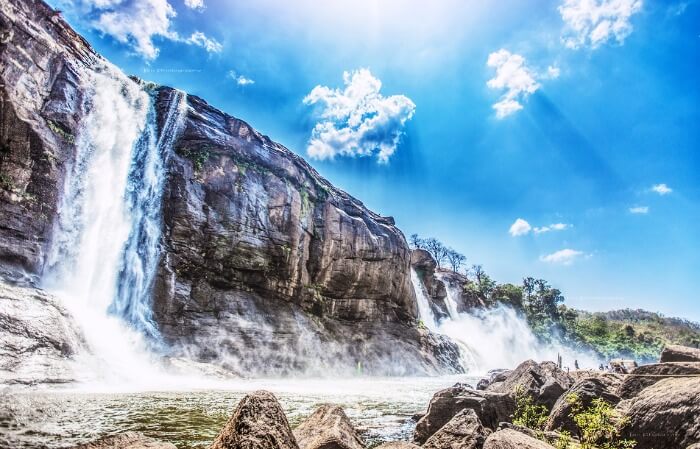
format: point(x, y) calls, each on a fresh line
point(580, 118)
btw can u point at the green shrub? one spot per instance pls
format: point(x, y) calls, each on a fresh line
point(598, 425)
point(527, 413)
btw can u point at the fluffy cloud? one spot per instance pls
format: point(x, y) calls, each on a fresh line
point(201, 40)
point(639, 210)
point(513, 76)
point(522, 227)
point(553, 72)
point(562, 257)
point(195, 4)
point(138, 22)
point(552, 227)
point(594, 22)
point(519, 227)
point(240, 79)
point(358, 120)
point(661, 189)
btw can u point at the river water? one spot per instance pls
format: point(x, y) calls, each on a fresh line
point(380, 408)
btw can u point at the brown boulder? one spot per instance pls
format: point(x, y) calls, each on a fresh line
point(463, 431)
point(511, 439)
point(490, 407)
point(587, 390)
point(127, 440)
point(665, 415)
point(328, 428)
point(647, 375)
point(677, 353)
point(545, 381)
point(257, 423)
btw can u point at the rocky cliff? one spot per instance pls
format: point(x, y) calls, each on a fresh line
point(265, 266)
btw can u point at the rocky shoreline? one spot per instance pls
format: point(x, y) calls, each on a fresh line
point(655, 406)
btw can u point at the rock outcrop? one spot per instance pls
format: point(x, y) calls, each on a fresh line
point(258, 249)
point(587, 389)
point(491, 408)
point(38, 338)
point(127, 440)
point(545, 381)
point(258, 422)
point(511, 439)
point(328, 428)
point(677, 353)
point(647, 375)
point(665, 415)
point(463, 431)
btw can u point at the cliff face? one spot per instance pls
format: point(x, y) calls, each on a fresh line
point(265, 266)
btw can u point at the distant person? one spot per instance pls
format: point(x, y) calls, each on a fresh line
point(576, 364)
point(601, 367)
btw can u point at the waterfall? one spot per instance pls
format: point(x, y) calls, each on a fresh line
point(450, 300)
point(425, 313)
point(490, 338)
point(105, 244)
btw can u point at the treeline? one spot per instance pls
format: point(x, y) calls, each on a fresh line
point(636, 334)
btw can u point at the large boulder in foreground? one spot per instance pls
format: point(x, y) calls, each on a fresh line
point(38, 338)
point(463, 431)
point(257, 423)
point(328, 428)
point(587, 390)
point(647, 375)
point(127, 440)
point(490, 407)
point(545, 381)
point(677, 353)
point(665, 415)
point(511, 439)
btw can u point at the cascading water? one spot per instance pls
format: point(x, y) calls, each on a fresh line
point(424, 311)
point(105, 246)
point(490, 338)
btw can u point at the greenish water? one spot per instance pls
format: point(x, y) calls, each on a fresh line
point(380, 408)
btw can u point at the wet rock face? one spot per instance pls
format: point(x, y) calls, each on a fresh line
point(40, 57)
point(37, 338)
point(328, 428)
point(258, 422)
point(665, 415)
point(258, 244)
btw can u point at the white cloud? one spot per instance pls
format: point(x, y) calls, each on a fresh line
point(661, 189)
point(553, 72)
point(201, 40)
point(595, 22)
point(513, 76)
point(358, 120)
point(562, 257)
point(639, 210)
point(240, 79)
point(552, 227)
point(195, 4)
point(519, 227)
point(138, 22)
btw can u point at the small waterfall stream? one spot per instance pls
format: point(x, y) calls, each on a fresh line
point(425, 313)
point(107, 236)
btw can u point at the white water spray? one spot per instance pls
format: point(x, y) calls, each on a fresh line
point(493, 338)
point(106, 238)
point(424, 311)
